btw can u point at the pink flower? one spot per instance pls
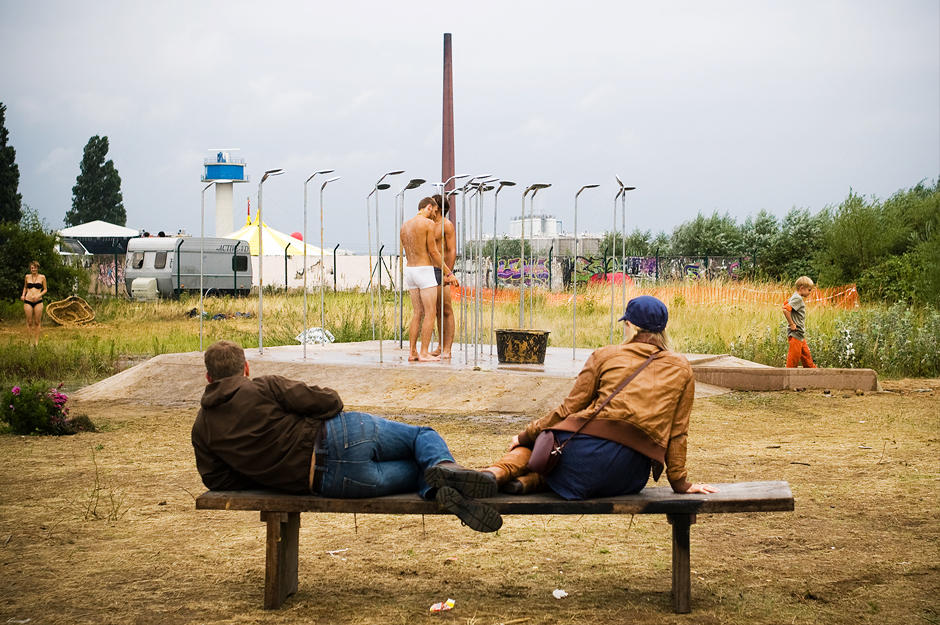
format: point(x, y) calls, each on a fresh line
point(15, 391)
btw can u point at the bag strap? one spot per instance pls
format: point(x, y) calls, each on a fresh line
point(606, 401)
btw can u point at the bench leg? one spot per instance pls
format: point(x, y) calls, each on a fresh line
point(681, 570)
point(280, 565)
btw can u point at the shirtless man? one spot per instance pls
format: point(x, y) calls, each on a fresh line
point(417, 239)
point(445, 326)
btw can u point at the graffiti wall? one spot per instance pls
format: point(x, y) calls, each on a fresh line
point(105, 273)
point(537, 272)
point(652, 268)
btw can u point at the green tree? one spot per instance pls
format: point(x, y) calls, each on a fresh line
point(908, 268)
point(916, 213)
point(505, 248)
point(759, 235)
point(97, 190)
point(718, 235)
point(10, 198)
point(793, 253)
point(858, 238)
point(638, 243)
point(29, 239)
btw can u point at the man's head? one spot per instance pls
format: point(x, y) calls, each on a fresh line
point(225, 359)
point(442, 202)
point(804, 285)
point(427, 204)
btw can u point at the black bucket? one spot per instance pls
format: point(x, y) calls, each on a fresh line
point(521, 346)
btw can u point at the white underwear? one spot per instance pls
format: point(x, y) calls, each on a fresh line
point(420, 277)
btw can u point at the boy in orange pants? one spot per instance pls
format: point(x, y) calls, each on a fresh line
point(795, 312)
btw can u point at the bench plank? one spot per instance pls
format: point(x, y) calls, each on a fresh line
point(732, 498)
point(281, 512)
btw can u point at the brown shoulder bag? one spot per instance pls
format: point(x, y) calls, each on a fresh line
point(546, 452)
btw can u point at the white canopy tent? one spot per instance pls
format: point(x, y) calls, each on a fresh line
point(98, 230)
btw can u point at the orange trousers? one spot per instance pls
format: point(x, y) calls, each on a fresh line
point(798, 353)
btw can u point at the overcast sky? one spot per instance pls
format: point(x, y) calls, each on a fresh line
point(704, 106)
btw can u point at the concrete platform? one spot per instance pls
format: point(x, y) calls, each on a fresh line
point(468, 384)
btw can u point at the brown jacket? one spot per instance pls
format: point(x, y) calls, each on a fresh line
point(650, 415)
point(260, 432)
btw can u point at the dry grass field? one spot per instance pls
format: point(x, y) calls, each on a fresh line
point(101, 528)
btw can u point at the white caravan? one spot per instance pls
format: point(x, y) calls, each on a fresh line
point(167, 266)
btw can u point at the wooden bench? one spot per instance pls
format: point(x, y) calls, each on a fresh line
point(282, 511)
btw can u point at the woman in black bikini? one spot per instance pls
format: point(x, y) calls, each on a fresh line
point(34, 287)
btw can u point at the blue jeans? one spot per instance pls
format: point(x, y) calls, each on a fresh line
point(368, 456)
point(595, 467)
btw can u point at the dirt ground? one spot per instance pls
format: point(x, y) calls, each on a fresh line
point(101, 528)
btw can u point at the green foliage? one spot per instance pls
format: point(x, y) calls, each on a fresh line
point(894, 341)
point(927, 282)
point(718, 235)
point(26, 240)
point(36, 409)
point(85, 360)
point(898, 340)
point(638, 243)
point(10, 198)
point(891, 248)
point(857, 239)
point(506, 248)
point(892, 280)
point(759, 234)
point(97, 190)
point(796, 246)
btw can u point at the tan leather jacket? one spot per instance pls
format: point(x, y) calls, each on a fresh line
point(650, 415)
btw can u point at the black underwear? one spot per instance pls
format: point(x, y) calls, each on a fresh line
point(437, 275)
point(32, 304)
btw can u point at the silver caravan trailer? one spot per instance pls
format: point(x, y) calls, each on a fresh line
point(168, 266)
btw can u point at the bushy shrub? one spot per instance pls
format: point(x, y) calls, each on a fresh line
point(30, 239)
point(898, 340)
point(895, 341)
point(892, 280)
point(35, 409)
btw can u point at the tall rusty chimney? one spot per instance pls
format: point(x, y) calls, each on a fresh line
point(447, 143)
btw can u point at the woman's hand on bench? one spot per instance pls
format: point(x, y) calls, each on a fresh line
point(701, 488)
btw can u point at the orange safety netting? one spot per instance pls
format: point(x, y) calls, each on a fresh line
point(690, 292)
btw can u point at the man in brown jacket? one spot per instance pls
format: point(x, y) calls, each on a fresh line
point(271, 432)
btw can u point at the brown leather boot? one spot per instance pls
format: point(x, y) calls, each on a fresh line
point(513, 476)
point(511, 465)
point(531, 483)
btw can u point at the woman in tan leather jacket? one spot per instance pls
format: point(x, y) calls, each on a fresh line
point(642, 430)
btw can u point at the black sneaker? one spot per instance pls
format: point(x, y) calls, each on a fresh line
point(477, 515)
point(467, 482)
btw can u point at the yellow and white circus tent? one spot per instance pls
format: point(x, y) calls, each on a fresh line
point(273, 242)
point(283, 256)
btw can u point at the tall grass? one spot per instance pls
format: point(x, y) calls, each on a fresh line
point(895, 341)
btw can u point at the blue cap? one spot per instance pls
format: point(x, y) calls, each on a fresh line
point(646, 312)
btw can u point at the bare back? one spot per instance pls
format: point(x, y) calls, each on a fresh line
point(450, 242)
point(414, 240)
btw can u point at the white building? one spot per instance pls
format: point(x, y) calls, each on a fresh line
point(545, 232)
point(536, 226)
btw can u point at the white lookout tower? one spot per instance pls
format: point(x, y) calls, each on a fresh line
point(229, 170)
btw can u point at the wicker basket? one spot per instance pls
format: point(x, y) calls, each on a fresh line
point(71, 311)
